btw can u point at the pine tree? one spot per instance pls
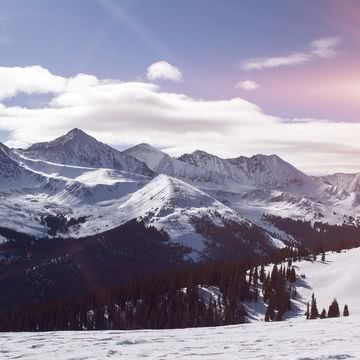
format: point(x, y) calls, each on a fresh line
point(323, 314)
point(270, 312)
point(255, 277)
point(262, 274)
point(274, 276)
point(346, 310)
point(314, 314)
point(334, 309)
point(323, 256)
point(307, 313)
point(267, 314)
point(292, 275)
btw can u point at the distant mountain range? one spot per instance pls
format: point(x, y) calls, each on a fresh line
point(76, 176)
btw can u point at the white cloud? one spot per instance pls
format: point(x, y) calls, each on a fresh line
point(321, 48)
point(162, 70)
point(247, 85)
point(325, 47)
point(38, 80)
point(271, 62)
point(126, 113)
point(29, 80)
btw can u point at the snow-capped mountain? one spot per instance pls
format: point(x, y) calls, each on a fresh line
point(276, 187)
point(8, 166)
point(340, 180)
point(355, 184)
point(80, 149)
point(12, 175)
point(172, 205)
point(253, 186)
point(162, 163)
point(266, 171)
point(78, 176)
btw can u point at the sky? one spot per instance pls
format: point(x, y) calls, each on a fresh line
point(228, 77)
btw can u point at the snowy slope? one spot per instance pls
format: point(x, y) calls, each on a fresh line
point(340, 180)
point(331, 279)
point(30, 189)
point(12, 175)
point(355, 184)
point(86, 194)
point(329, 339)
point(169, 204)
point(80, 149)
point(336, 277)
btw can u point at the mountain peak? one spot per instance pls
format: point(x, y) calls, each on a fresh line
point(80, 149)
point(197, 157)
point(76, 131)
point(272, 157)
point(144, 147)
point(74, 134)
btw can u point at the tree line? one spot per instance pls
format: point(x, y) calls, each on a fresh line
point(169, 300)
point(333, 311)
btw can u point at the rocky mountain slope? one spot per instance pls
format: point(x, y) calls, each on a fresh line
point(265, 171)
point(162, 163)
point(80, 149)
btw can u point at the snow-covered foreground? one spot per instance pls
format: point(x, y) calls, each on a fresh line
point(296, 338)
point(317, 339)
point(336, 277)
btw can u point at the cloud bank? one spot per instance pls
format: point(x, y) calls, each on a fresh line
point(126, 113)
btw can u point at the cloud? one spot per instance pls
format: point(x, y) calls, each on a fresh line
point(247, 85)
point(324, 47)
point(38, 80)
point(321, 48)
point(162, 70)
point(126, 113)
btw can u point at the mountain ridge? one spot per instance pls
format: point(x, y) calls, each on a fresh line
point(80, 149)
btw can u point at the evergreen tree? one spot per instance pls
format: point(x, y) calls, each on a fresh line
point(274, 276)
point(323, 314)
point(334, 309)
point(346, 310)
point(307, 313)
point(262, 274)
point(267, 314)
point(255, 276)
point(270, 312)
point(323, 256)
point(292, 277)
point(314, 314)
